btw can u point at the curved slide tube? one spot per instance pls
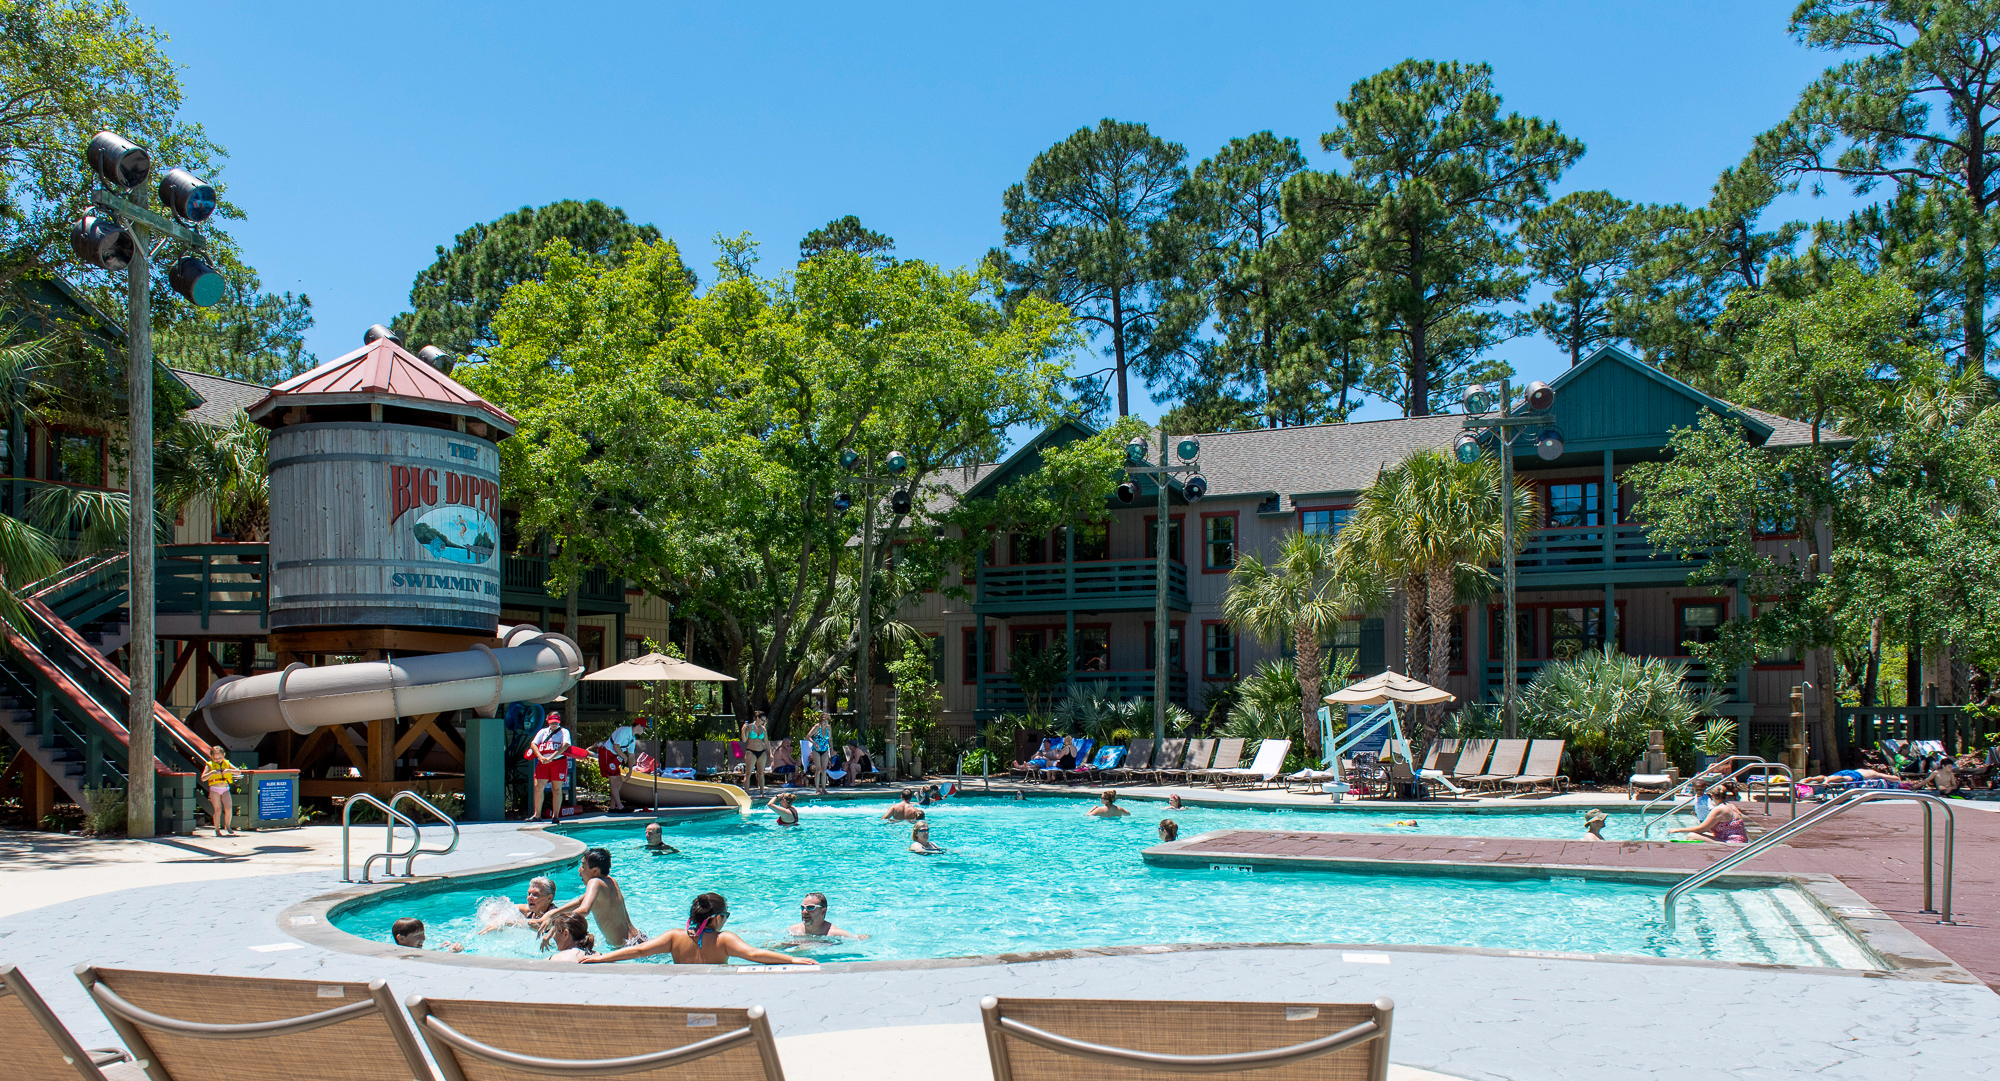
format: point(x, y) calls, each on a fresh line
point(646, 790)
point(531, 666)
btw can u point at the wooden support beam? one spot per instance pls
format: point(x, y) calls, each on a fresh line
point(346, 742)
point(428, 725)
point(302, 758)
point(381, 747)
point(38, 792)
point(173, 679)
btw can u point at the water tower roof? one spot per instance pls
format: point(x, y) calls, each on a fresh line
point(384, 372)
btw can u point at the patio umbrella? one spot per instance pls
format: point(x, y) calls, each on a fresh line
point(658, 666)
point(1389, 687)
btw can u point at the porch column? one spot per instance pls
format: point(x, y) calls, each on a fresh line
point(1069, 642)
point(979, 665)
point(1607, 513)
point(1482, 651)
point(1739, 690)
point(1610, 615)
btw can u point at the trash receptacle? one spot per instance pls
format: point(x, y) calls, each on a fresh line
point(267, 798)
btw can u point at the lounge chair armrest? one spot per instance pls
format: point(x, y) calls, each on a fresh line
point(109, 999)
point(1236, 1062)
point(105, 1056)
point(602, 1067)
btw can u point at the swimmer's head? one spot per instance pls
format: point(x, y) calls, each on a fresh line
point(909, 794)
point(1174, 801)
point(814, 902)
point(1593, 818)
point(1169, 829)
point(653, 838)
point(573, 932)
point(543, 888)
point(916, 816)
point(1110, 796)
point(408, 931)
point(709, 908)
point(596, 861)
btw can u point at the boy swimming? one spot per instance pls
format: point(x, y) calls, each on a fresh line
point(601, 898)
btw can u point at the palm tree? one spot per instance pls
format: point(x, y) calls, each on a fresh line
point(1303, 594)
point(224, 466)
point(1433, 524)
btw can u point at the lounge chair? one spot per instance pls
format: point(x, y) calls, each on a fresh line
point(1105, 765)
point(1045, 752)
point(1082, 752)
point(1055, 1039)
point(1544, 767)
point(506, 1041)
point(677, 754)
point(188, 1026)
point(40, 1047)
point(1506, 764)
point(1138, 761)
point(1228, 755)
point(1200, 755)
point(1472, 758)
point(1438, 747)
point(1172, 753)
point(1270, 762)
point(711, 756)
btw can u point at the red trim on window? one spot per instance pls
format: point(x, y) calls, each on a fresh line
point(969, 643)
point(1235, 655)
point(1235, 539)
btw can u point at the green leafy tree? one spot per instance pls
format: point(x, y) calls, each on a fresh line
point(1301, 596)
point(454, 301)
point(1038, 672)
point(1437, 177)
point(848, 234)
point(1083, 230)
point(1580, 246)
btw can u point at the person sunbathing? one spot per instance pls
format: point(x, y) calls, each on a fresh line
point(920, 838)
point(704, 942)
point(1724, 822)
point(1109, 808)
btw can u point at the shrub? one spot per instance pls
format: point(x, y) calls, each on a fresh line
point(1603, 703)
point(1268, 704)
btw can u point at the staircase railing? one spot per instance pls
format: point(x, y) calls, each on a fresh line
point(1839, 805)
point(1767, 767)
point(390, 816)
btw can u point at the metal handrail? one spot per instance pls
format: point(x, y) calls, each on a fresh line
point(409, 863)
point(1687, 783)
point(391, 815)
point(1767, 767)
point(1839, 805)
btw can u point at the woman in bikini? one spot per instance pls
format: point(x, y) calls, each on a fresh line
point(822, 752)
point(1724, 822)
point(703, 943)
point(757, 748)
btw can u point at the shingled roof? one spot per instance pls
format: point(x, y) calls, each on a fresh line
point(221, 398)
point(379, 371)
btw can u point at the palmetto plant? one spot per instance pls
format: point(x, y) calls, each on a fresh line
point(1303, 594)
point(1268, 704)
point(223, 466)
point(1603, 703)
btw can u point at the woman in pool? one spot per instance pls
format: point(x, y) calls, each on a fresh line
point(573, 939)
point(788, 815)
point(920, 837)
point(703, 943)
point(1724, 822)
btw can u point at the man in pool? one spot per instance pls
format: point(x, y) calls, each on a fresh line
point(920, 838)
point(601, 899)
point(409, 931)
point(1593, 824)
point(655, 842)
point(1109, 808)
point(902, 808)
point(813, 921)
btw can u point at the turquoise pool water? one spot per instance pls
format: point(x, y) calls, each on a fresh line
point(1039, 875)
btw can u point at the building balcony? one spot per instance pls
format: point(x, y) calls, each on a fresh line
point(998, 693)
point(1595, 555)
point(523, 582)
point(1105, 585)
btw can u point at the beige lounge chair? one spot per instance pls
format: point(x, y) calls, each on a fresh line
point(1270, 762)
point(1438, 747)
point(40, 1048)
point(1506, 764)
point(1055, 1039)
point(1172, 753)
point(1138, 761)
point(192, 1027)
point(1471, 760)
point(1228, 755)
point(1200, 756)
point(510, 1041)
point(1544, 767)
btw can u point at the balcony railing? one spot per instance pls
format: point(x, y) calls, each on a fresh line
point(1098, 586)
point(211, 580)
point(525, 578)
point(998, 693)
point(1619, 546)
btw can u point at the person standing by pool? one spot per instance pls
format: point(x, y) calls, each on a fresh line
point(902, 808)
point(819, 758)
point(617, 755)
point(703, 943)
point(1109, 808)
point(781, 806)
point(920, 838)
point(216, 777)
point(551, 753)
point(756, 735)
point(601, 898)
point(813, 921)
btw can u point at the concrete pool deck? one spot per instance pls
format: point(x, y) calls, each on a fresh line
point(220, 906)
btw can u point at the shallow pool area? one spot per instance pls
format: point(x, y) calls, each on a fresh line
point(1037, 875)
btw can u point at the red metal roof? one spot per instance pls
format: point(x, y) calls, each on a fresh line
point(381, 368)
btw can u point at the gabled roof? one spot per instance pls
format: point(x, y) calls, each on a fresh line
point(1027, 459)
point(384, 372)
point(222, 398)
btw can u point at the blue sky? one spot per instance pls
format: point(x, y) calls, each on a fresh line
point(363, 134)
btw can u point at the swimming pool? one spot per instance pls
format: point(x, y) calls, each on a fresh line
point(1039, 875)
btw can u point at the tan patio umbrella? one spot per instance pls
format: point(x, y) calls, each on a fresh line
point(658, 666)
point(1389, 687)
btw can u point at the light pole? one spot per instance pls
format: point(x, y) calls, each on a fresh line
point(113, 237)
point(1498, 431)
point(899, 502)
point(1135, 466)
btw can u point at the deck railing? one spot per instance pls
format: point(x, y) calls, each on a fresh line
point(998, 693)
point(213, 579)
point(1107, 583)
point(530, 574)
point(1571, 549)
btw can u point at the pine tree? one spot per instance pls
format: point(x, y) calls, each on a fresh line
point(848, 234)
point(1580, 246)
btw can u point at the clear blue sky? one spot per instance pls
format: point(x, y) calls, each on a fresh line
point(364, 134)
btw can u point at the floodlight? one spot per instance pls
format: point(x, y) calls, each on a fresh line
point(187, 196)
point(437, 357)
point(1549, 444)
point(197, 281)
point(1135, 452)
point(1541, 397)
point(121, 162)
point(1195, 488)
point(1127, 492)
point(842, 501)
point(1188, 449)
point(896, 462)
point(1466, 448)
point(98, 240)
point(378, 332)
point(848, 458)
point(899, 501)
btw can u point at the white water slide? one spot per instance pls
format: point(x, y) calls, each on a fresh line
point(531, 665)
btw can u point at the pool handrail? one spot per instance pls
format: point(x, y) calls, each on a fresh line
point(1836, 806)
point(1647, 830)
point(390, 815)
point(1688, 781)
point(409, 863)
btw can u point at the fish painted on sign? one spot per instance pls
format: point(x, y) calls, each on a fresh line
point(457, 534)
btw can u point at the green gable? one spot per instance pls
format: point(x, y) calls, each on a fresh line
point(1612, 401)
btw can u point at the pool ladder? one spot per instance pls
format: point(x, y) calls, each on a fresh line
point(1833, 808)
point(391, 816)
point(1684, 786)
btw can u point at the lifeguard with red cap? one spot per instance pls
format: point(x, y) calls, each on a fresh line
point(551, 751)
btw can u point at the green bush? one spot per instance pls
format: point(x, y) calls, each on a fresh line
point(1269, 705)
point(1603, 703)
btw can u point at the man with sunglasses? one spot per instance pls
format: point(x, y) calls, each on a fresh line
point(813, 921)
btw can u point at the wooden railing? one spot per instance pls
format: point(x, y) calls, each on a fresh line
point(530, 574)
point(998, 693)
point(1954, 726)
point(1550, 550)
point(213, 579)
point(1102, 584)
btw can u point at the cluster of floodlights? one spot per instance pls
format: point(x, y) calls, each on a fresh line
point(1539, 399)
point(436, 356)
point(1188, 449)
point(893, 466)
point(100, 240)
